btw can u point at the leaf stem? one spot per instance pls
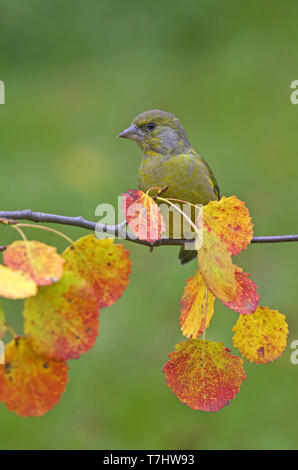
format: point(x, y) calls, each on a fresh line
point(182, 213)
point(48, 229)
point(11, 330)
point(20, 231)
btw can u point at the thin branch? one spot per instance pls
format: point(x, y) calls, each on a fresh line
point(275, 239)
point(116, 230)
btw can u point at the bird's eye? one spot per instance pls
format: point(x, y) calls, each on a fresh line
point(151, 125)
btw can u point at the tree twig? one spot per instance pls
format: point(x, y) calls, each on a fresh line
point(116, 230)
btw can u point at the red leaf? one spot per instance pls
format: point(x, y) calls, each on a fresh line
point(246, 298)
point(203, 374)
point(143, 215)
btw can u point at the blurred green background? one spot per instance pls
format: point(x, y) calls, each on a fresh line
point(76, 74)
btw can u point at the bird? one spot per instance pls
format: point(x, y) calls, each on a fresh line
point(169, 161)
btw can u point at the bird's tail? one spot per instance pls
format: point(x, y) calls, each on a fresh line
point(186, 255)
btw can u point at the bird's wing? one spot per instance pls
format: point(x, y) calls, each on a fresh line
point(203, 180)
point(213, 181)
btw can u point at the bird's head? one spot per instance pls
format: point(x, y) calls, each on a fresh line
point(157, 132)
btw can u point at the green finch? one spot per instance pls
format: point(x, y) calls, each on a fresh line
point(170, 160)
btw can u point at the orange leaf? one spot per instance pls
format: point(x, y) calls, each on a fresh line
point(103, 264)
point(261, 336)
point(193, 309)
point(40, 261)
point(143, 215)
point(15, 284)
point(63, 318)
point(203, 374)
point(30, 384)
point(230, 219)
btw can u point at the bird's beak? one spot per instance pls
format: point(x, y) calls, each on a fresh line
point(133, 133)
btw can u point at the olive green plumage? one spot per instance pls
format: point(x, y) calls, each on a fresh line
point(170, 160)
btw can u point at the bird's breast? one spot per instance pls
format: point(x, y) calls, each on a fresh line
point(181, 173)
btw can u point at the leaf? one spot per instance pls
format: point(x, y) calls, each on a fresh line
point(15, 284)
point(246, 298)
point(3, 327)
point(193, 308)
point(30, 384)
point(103, 264)
point(225, 280)
point(231, 221)
point(143, 215)
point(261, 336)
point(63, 318)
point(40, 261)
point(203, 374)
point(216, 267)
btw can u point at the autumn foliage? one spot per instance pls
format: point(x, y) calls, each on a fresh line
point(61, 314)
point(64, 294)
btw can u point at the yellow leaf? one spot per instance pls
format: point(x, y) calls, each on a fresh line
point(225, 280)
point(216, 267)
point(230, 219)
point(261, 336)
point(15, 284)
point(63, 318)
point(193, 310)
